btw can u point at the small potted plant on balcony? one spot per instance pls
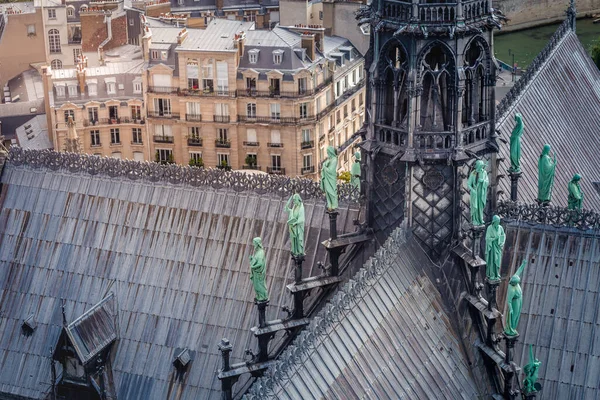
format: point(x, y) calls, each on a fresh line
point(224, 166)
point(196, 163)
point(251, 161)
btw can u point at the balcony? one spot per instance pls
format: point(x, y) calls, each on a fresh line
point(307, 145)
point(194, 141)
point(221, 118)
point(274, 144)
point(163, 139)
point(112, 121)
point(207, 92)
point(251, 144)
point(349, 92)
point(252, 167)
point(223, 143)
point(271, 120)
point(193, 117)
point(75, 40)
point(252, 92)
point(134, 143)
point(162, 89)
point(308, 170)
point(162, 114)
point(276, 170)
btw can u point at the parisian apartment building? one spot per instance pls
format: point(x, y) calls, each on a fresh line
point(237, 97)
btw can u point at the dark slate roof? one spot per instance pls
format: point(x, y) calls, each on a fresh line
point(175, 255)
point(384, 335)
point(561, 303)
point(560, 103)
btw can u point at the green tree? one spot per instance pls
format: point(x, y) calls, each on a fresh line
point(596, 53)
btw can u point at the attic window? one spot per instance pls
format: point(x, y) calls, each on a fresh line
point(111, 85)
point(277, 57)
point(163, 55)
point(28, 326)
point(182, 360)
point(253, 56)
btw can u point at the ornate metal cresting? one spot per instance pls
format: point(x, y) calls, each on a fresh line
point(535, 214)
point(280, 186)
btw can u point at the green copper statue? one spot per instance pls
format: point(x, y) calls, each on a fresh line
point(515, 144)
point(258, 270)
point(478, 184)
point(575, 193)
point(546, 169)
point(355, 172)
point(329, 179)
point(531, 373)
point(295, 210)
point(514, 302)
point(494, 243)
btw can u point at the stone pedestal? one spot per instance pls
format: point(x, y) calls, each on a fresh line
point(298, 296)
point(514, 185)
point(492, 288)
point(511, 390)
point(477, 231)
point(332, 224)
point(262, 308)
point(226, 384)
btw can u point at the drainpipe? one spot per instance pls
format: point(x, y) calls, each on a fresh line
point(107, 20)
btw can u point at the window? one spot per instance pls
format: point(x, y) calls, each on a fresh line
point(318, 105)
point(338, 89)
point(137, 86)
point(360, 99)
point(51, 13)
point(274, 88)
point(207, 77)
point(192, 74)
point(92, 89)
point(136, 112)
point(154, 54)
point(277, 57)
point(223, 135)
point(328, 97)
point(251, 84)
point(60, 91)
point(275, 111)
point(192, 111)
point(251, 15)
point(95, 137)
point(223, 158)
point(70, 11)
point(69, 113)
point(111, 87)
point(222, 109)
point(196, 158)
point(136, 135)
point(76, 55)
point(276, 162)
point(306, 135)
point(113, 112)
point(30, 30)
point(93, 114)
point(83, 8)
point(303, 110)
point(72, 90)
point(253, 56)
point(301, 85)
point(54, 40)
point(164, 55)
point(346, 85)
point(251, 110)
point(162, 107)
point(131, 22)
point(251, 159)
point(251, 136)
point(115, 137)
point(346, 111)
point(307, 161)
point(222, 80)
point(321, 15)
point(275, 137)
point(194, 132)
point(164, 156)
point(339, 116)
point(163, 130)
point(138, 156)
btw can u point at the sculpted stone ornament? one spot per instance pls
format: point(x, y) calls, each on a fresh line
point(258, 271)
point(546, 170)
point(575, 193)
point(329, 179)
point(355, 172)
point(514, 302)
point(478, 184)
point(295, 210)
point(531, 373)
point(515, 144)
point(494, 243)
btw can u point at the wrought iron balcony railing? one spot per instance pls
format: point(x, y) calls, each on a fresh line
point(163, 139)
point(276, 170)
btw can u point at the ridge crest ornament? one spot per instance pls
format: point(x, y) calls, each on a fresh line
point(433, 179)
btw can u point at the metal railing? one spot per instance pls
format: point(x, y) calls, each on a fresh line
point(251, 144)
point(221, 118)
point(276, 170)
point(274, 144)
point(207, 92)
point(223, 143)
point(253, 167)
point(162, 114)
point(162, 89)
point(163, 139)
point(308, 170)
point(193, 117)
point(193, 141)
point(307, 145)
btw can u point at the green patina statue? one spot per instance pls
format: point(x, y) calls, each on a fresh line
point(494, 243)
point(546, 170)
point(515, 144)
point(478, 184)
point(514, 302)
point(295, 210)
point(531, 373)
point(258, 271)
point(575, 193)
point(329, 179)
point(355, 172)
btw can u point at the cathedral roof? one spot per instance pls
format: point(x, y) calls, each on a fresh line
point(385, 334)
point(560, 315)
point(170, 242)
point(559, 98)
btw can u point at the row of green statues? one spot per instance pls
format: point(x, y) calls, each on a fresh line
point(546, 169)
point(295, 209)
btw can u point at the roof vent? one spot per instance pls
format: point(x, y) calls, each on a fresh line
point(182, 359)
point(28, 326)
point(27, 126)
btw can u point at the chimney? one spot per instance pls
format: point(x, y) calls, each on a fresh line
point(146, 42)
point(81, 65)
point(239, 41)
point(308, 44)
point(181, 36)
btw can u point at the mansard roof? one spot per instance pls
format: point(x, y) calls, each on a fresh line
point(170, 242)
point(560, 315)
point(559, 98)
point(385, 334)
